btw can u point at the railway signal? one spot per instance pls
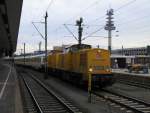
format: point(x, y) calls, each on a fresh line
point(80, 30)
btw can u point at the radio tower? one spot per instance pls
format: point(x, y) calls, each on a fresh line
point(109, 27)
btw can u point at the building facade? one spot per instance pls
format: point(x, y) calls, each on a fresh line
point(132, 51)
point(140, 55)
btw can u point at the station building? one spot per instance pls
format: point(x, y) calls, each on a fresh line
point(125, 56)
point(133, 51)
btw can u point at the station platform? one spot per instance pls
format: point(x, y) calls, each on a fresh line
point(125, 72)
point(10, 98)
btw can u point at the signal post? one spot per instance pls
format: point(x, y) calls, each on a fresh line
point(89, 84)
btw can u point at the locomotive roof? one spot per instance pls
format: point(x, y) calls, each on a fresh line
point(93, 49)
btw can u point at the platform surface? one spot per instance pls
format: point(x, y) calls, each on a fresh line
point(10, 101)
point(125, 71)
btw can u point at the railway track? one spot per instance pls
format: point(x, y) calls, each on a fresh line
point(40, 99)
point(132, 104)
point(138, 81)
point(141, 85)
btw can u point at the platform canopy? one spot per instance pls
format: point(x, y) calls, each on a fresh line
point(10, 13)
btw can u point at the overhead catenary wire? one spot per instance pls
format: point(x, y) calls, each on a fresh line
point(134, 23)
point(94, 3)
point(84, 25)
point(133, 17)
point(131, 21)
point(91, 5)
point(70, 31)
point(49, 5)
point(132, 11)
point(93, 33)
point(138, 30)
point(82, 11)
point(44, 10)
point(38, 30)
point(103, 17)
point(125, 5)
point(115, 10)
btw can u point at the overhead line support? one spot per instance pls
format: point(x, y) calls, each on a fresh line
point(46, 67)
point(24, 52)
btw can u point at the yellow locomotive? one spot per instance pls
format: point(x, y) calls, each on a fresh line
point(74, 64)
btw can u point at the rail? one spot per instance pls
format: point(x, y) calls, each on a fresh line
point(137, 106)
point(44, 99)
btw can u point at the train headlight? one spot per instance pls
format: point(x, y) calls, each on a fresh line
point(99, 51)
point(90, 69)
point(107, 70)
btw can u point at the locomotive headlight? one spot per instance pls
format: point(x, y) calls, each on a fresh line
point(107, 70)
point(90, 69)
point(99, 51)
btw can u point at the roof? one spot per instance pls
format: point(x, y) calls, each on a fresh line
point(10, 13)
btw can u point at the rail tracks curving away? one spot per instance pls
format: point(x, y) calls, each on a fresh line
point(40, 99)
point(132, 104)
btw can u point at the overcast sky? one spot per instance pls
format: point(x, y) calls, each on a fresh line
point(131, 18)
